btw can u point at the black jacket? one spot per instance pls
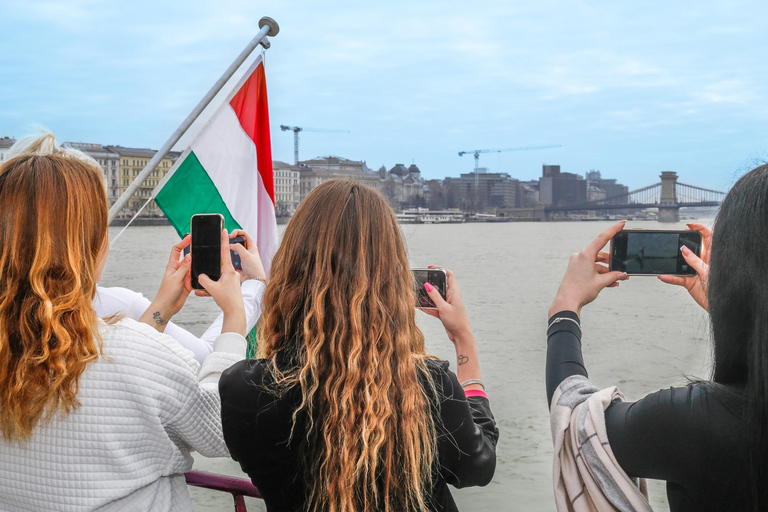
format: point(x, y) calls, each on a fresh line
point(257, 425)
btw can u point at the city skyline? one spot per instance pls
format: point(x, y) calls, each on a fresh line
point(628, 91)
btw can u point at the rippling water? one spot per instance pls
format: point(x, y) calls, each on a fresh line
point(641, 336)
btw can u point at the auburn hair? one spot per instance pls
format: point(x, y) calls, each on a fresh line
point(340, 307)
point(53, 225)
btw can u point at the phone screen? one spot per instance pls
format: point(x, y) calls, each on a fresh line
point(645, 252)
point(206, 247)
point(435, 277)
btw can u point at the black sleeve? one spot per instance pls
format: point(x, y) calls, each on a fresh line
point(659, 436)
point(467, 435)
point(563, 350)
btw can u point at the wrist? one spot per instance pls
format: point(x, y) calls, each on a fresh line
point(564, 304)
point(157, 315)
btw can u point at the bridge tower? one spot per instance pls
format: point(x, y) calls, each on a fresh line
point(669, 209)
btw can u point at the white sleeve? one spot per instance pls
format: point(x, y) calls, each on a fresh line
point(122, 301)
point(253, 292)
point(191, 407)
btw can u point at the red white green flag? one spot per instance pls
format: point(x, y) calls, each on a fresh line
point(227, 168)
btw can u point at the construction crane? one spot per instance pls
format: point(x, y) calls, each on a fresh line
point(296, 130)
point(477, 152)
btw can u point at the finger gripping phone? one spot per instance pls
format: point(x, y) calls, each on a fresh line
point(206, 246)
point(645, 252)
point(437, 277)
point(237, 263)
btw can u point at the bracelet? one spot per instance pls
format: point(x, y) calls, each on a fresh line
point(262, 279)
point(473, 381)
point(561, 318)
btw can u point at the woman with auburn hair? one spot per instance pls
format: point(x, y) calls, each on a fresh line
point(95, 415)
point(345, 411)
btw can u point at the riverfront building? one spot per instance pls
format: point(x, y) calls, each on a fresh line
point(131, 162)
point(482, 191)
point(287, 187)
point(616, 193)
point(110, 166)
point(561, 188)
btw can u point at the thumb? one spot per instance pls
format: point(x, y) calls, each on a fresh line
point(204, 281)
point(183, 268)
point(434, 294)
point(611, 277)
point(239, 249)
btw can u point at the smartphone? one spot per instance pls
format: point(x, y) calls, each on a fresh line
point(645, 252)
point(437, 277)
point(236, 261)
point(206, 246)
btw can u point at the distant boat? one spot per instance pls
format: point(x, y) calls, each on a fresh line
point(427, 216)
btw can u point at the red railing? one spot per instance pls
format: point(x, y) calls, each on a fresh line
point(237, 487)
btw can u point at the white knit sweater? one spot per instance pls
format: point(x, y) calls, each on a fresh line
point(144, 407)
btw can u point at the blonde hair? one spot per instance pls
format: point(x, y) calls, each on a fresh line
point(53, 225)
point(340, 307)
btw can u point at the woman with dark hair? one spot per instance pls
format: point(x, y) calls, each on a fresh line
point(345, 411)
point(94, 414)
point(707, 440)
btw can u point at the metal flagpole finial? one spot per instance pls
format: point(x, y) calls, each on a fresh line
point(274, 28)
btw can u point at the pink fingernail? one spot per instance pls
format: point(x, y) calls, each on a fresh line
point(429, 287)
point(685, 250)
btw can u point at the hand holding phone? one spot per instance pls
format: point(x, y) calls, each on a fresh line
point(449, 308)
point(697, 284)
point(436, 277)
point(226, 290)
point(586, 275)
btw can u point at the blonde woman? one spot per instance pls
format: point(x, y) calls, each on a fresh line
point(95, 416)
point(346, 412)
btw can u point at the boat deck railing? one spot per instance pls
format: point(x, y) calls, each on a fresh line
point(237, 487)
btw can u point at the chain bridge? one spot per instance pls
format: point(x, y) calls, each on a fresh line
point(668, 196)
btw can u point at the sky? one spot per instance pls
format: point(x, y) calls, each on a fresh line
point(628, 88)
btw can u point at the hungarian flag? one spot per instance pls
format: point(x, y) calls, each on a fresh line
point(227, 169)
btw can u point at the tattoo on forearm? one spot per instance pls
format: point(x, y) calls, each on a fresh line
point(462, 360)
point(158, 318)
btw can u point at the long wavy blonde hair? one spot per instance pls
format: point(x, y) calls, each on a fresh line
point(53, 225)
point(340, 307)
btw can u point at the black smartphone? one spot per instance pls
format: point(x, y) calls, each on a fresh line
point(206, 246)
point(236, 261)
point(645, 252)
point(434, 276)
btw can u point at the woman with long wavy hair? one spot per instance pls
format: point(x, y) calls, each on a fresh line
point(94, 414)
point(708, 440)
point(345, 411)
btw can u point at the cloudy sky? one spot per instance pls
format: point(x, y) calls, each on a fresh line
point(628, 88)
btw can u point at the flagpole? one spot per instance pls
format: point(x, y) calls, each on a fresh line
point(268, 27)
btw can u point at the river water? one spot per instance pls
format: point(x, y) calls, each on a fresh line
point(641, 336)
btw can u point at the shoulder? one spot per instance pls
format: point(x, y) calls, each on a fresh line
point(243, 375)
point(129, 339)
point(444, 379)
point(116, 300)
point(697, 407)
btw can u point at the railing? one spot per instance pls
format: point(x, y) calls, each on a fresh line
point(237, 487)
